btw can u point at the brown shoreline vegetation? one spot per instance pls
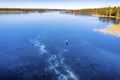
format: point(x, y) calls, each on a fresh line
point(113, 30)
point(97, 15)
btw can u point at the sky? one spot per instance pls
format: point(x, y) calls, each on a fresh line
point(58, 4)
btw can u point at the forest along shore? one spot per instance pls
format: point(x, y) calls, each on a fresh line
point(106, 12)
point(111, 12)
point(19, 10)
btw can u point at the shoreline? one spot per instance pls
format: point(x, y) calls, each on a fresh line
point(97, 15)
point(113, 30)
point(19, 10)
point(11, 11)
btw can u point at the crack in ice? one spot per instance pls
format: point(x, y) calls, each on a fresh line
point(55, 62)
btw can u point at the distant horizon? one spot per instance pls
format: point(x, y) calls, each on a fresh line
point(54, 8)
point(59, 4)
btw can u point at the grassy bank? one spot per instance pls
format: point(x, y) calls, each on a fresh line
point(104, 16)
point(113, 30)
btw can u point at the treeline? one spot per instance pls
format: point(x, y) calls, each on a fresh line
point(21, 10)
point(107, 11)
point(28, 10)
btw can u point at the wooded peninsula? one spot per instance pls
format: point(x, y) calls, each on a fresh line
point(112, 12)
